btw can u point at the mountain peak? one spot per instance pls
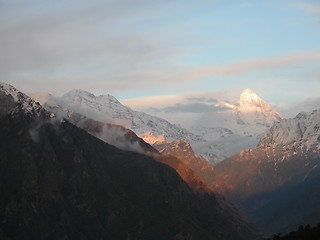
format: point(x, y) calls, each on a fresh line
point(180, 148)
point(78, 92)
point(249, 98)
point(14, 100)
point(78, 95)
point(248, 91)
point(10, 90)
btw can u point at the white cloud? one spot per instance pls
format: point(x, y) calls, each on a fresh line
point(167, 101)
point(153, 101)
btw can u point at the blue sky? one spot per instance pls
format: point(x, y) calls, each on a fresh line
point(133, 49)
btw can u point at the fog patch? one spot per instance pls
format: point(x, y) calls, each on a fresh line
point(34, 131)
point(34, 134)
point(117, 136)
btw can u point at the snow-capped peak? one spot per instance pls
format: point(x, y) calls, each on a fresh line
point(248, 97)
point(250, 101)
point(253, 110)
point(78, 92)
point(104, 104)
point(80, 95)
point(10, 90)
point(27, 104)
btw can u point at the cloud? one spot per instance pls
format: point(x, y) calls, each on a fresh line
point(142, 103)
point(245, 66)
point(202, 99)
point(166, 101)
point(117, 137)
point(195, 108)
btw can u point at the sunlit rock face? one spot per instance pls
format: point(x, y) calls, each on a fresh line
point(182, 150)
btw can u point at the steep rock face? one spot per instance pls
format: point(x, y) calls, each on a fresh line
point(59, 182)
point(281, 170)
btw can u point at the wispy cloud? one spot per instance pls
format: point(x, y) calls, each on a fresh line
point(245, 66)
point(211, 100)
point(238, 68)
point(202, 100)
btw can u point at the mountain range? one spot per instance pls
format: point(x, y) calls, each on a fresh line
point(60, 182)
point(214, 136)
point(271, 170)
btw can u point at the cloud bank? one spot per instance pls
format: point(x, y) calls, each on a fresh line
point(195, 108)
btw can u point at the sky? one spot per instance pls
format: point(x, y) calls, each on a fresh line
point(159, 52)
